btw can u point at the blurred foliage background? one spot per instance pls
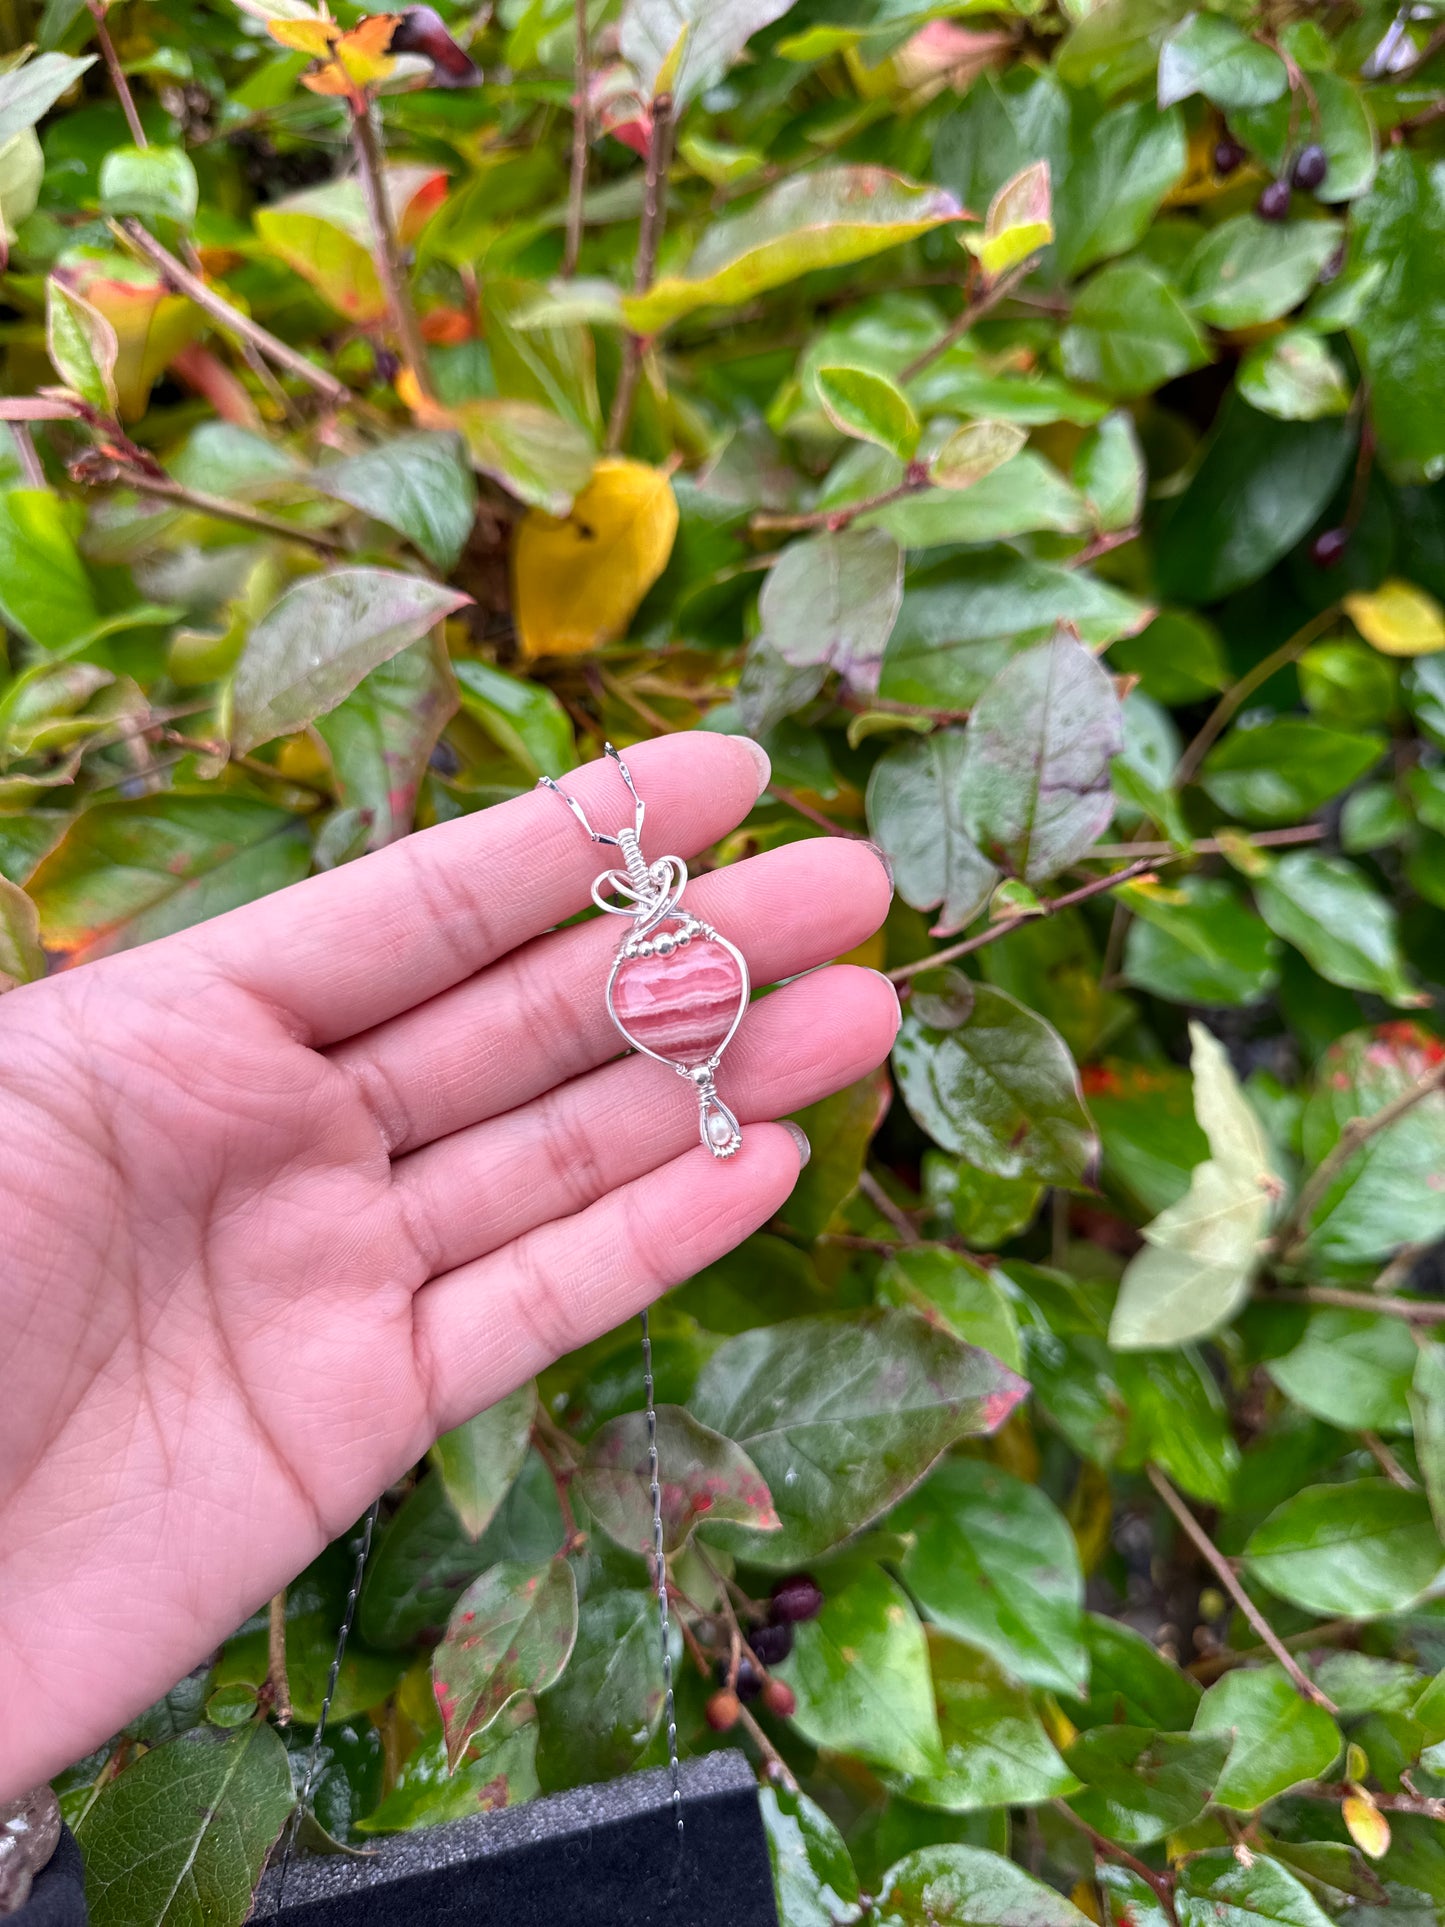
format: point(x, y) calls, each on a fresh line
point(1028, 420)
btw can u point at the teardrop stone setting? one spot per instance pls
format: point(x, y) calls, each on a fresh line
point(680, 1002)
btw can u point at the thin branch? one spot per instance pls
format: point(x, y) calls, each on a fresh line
point(1228, 1579)
point(1241, 691)
point(1104, 1848)
point(1415, 1311)
point(577, 185)
point(1212, 1665)
point(1420, 1803)
point(1095, 887)
point(223, 509)
point(1388, 1463)
point(1208, 845)
point(117, 77)
point(232, 320)
point(973, 311)
point(1101, 545)
point(371, 165)
point(278, 1686)
point(649, 239)
point(767, 521)
point(806, 810)
point(1293, 1233)
point(25, 454)
point(885, 1207)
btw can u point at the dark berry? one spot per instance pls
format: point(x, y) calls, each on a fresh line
point(722, 1711)
point(1311, 165)
point(795, 1599)
point(1327, 551)
point(1334, 267)
point(1229, 156)
point(750, 1680)
point(1273, 204)
point(772, 1643)
point(780, 1699)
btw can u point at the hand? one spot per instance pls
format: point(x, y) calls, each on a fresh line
point(288, 1193)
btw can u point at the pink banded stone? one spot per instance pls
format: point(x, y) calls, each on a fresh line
point(682, 1006)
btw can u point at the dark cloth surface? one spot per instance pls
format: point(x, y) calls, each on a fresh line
point(57, 1894)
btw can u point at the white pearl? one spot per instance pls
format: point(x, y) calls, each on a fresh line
point(718, 1128)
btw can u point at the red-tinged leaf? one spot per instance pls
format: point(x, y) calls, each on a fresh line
point(705, 1478)
point(511, 1633)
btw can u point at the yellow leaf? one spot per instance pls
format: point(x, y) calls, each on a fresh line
point(1399, 619)
point(1369, 1829)
point(1086, 1898)
point(363, 51)
point(312, 37)
point(578, 579)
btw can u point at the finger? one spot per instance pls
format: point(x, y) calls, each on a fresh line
point(346, 950)
point(540, 1016)
point(475, 1191)
point(488, 1326)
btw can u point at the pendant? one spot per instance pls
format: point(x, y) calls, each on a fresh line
point(677, 990)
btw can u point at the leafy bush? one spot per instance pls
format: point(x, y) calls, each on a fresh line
point(1027, 419)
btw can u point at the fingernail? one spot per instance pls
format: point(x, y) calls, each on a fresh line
point(800, 1138)
point(760, 757)
point(884, 978)
point(884, 859)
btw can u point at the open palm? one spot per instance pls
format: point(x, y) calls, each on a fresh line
point(289, 1193)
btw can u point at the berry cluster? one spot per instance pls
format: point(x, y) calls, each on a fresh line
point(746, 1677)
point(1307, 172)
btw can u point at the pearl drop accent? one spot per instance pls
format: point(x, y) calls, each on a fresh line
point(718, 1129)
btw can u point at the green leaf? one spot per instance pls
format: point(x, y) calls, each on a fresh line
point(523, 718)
point(1246, 271)
point(1036, 755)
point(499, 1771)
point(842, 1416)
point(995, 1750)
point(1279, 1738)
point(381, 737)
point(29, 91)
point(1261, 486)
point(534, 453)
point(1340, 121)
point(706, 1480)
point(1012, 496)
point(1356, 1550)
point(1129, 332)
point(1178, 658)
point(478, 1461)
point(826, 219)
point(1294, 377)
point(1199, 1256)
point(915, 805)
point(1145, 1116)
point(711, 36)
point(992, 1082)
point(22, 960)
point(943, 1284)
point(992, 1561)
point(127, 872)
point(964, 617)
point(1352, 1369)
point(1325, 907)
point(1207, 54)
point(813, 1876)
point(953, 1886)
point(1387, 1194)
point(1130, 1681)
point(1019, 221)
point(973, 451)
point(599, 1716)
point(1427, 1416)
point(833, 600)
point(363, 1679)
point(1109, 471)
point(1121, 167)
point(549, 363)
point(1218, 1890)
point(510, 1633)
point(1399, 230)
point(82, 345)
point(869, 408)
point(840, 1128)
point(314, 645)
point(1282, 771)
point(417, 484)
point(1178, 1418)
point(156, 183)
point(1198, 942)
point(1140, 1785)
point(325, 254)
point(178, 1839)
point(860, 1673)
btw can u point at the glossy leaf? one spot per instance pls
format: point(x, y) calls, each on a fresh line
point(1427, 1416)
point(1360, 1549)
point(1400, 230)
point(1351, 1369)
point(824, 220)
point(706, 1479)
point(326, 254)
point(1294, 377)
point(536, 455)
point(1139, 1786)
point(479, 1460)
point(815, 1881)
point(1129, 331)
point(82, 345)
point(313, 646)
point(417, 484)
point(579, 578)
point(992, 1082)
point(155, 183)
point(943, 1284)
point(868, 407)
point(523, 718)
point(1327, 909)
point(499, 1771)
point(968, 1887)
point(1035, 766)
point(1280, 772)
point(973, 451)
point(1279, 1737)
point(688, 47)
point(1207, 54)
point(1246, 271)
point(381, 737)
point(1121, 168)
point(21, 958)
point(992, 1562)
point(1217, 1890)
point(1399, 619)
point(842, 1416)
point(599, 1716)
point(915, 810)
point(832, 600)
point(510, 1633)
point(1019, 221)
point(1198, 942)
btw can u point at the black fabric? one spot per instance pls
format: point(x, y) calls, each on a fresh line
point(597, 1857)
point(57, 1894)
